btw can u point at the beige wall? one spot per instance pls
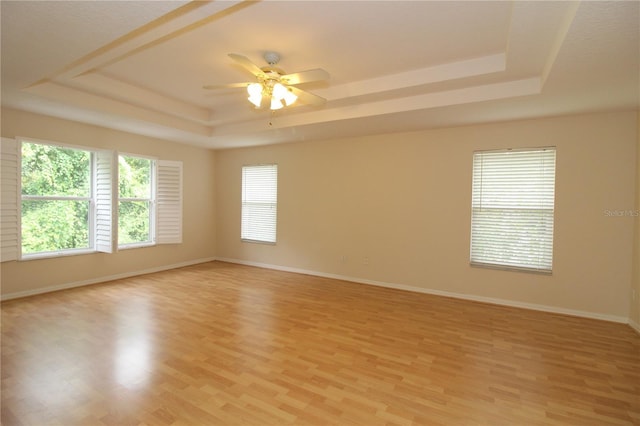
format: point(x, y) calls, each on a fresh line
point(402, 201)
point(635, 299)
point(198, 207)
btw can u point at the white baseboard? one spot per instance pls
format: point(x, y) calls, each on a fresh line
point(494, 301)
point(103, 279)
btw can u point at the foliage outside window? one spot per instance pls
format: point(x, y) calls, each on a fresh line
point(55, 199)
point(135, 200)
point(62, 200)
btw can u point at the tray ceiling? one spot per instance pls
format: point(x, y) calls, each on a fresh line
point(139, 66)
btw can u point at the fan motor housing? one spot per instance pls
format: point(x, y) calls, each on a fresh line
point(272, 58)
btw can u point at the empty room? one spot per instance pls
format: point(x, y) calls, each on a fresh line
point(320, 213)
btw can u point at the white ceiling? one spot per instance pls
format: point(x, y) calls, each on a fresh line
point(140, 66)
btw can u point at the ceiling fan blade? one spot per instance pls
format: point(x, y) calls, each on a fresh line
point(305, 76)
point(307, 97)
point(225, 86)
point(247, 64)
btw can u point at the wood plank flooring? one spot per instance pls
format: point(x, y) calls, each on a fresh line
point(223, 344)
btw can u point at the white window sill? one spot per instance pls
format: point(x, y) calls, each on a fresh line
point(54, 254)
point(246, 240)
point(511, 268)
point(136, 245)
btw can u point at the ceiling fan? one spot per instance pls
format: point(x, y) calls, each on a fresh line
point(273, 87)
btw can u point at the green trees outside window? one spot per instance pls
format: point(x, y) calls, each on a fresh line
point(57, 200)
point(56, 197)
point(135, 205)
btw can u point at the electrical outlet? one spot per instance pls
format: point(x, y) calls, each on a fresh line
point(365, 261)
point(343, 259)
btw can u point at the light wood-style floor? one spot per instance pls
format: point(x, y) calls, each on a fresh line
point(223, 344)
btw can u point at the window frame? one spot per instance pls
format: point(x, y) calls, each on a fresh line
point(545, 214)
point(152, 201)
point(247, 235)
point(91, 202)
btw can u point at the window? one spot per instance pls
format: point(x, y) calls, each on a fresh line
point(65, 202)
point(56, 201)
point(259, 203)
point(513, 209)
point(135, 201)
point(62, 200)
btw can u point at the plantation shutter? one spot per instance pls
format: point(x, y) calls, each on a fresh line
point(259, 203)
point(106, 226)
point(169, 202)
point(513, 209)
point(9, 208)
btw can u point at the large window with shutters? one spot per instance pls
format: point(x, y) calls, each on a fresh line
point(513, 209)
point(259, 203)
point(62, 200)
point(149, 201)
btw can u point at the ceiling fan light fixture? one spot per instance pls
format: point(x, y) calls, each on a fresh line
point(254, 89)
point(281, 93)
point(256, 100)
point(289, 97)
point(255, 94)
point(276, 103)
point(274, 84)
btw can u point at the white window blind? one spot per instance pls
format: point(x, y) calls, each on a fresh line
point(9, 166)
point(169, 202)
point(259, 203)
point(513, 209)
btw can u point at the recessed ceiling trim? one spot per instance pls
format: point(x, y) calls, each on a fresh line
point(488, 92)
point(193, 14)
point(560, 37)
point(61, 93)
point(445, 72)
point(101, 84)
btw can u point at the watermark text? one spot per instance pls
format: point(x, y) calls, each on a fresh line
point(622, 213)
